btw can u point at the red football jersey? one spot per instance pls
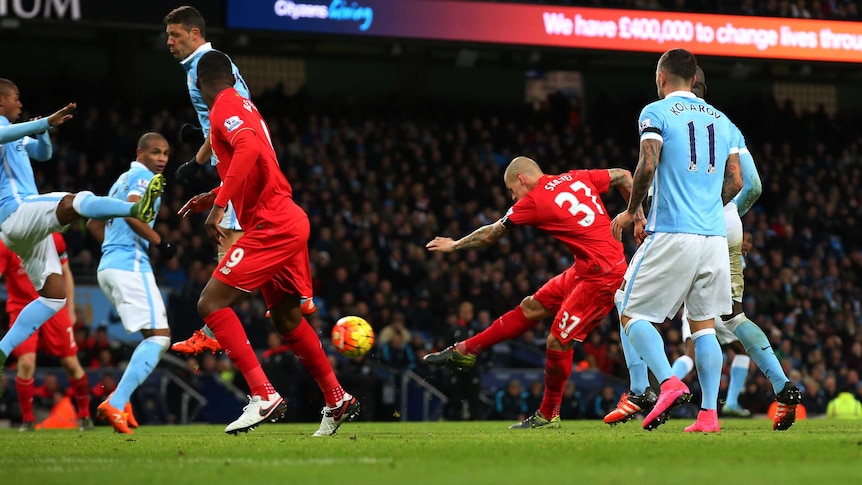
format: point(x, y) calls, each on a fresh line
point(18, 286)
point(259, 191)
point(569, 208)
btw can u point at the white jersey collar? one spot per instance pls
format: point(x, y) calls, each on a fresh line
point(682, 94)
point(203, 48)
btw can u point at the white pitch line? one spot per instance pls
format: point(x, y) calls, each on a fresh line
point(59, 463)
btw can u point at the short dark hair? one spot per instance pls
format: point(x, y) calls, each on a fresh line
point(146, 140)
point(679, 63)
point(6, 86)
point(214, 66)
point(699, 86)
point(189, 17)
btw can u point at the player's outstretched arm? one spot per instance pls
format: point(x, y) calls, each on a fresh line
point(732, 179)
point(480, 238)
point(20, 130)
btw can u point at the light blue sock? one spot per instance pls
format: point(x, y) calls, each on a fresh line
point(208, 332)
point(708, 359)
point(90, 205)
point(738, 375)
point(682, 366)
point(637, 367)
point(648, 344)
point(760, 351)
point(29, 320)
point(141, 365)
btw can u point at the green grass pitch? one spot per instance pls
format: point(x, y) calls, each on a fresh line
point(746, 451)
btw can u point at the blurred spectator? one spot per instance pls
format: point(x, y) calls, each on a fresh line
point(572, 406)
point(106, 385)
point(813, 397)
point(396, 327)
point(604, 403)
point(43, 394)
point(510, 403)
point(398, 353)
point(534, 396)
point(9, 408)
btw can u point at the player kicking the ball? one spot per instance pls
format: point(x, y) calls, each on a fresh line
point(567, 206)
point(272, 254)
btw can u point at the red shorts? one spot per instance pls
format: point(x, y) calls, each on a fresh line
point(580, 304)
point(56, 337)
point(273, 260)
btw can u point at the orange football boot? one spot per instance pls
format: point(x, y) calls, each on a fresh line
point(197, 343)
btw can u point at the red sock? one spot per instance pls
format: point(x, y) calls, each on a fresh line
point(306, 346)
point(230, 334)
point(81, 390)
point(558, 368)
point(25, 398)
point(510, 325)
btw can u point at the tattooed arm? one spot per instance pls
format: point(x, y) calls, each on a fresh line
point(644, 173)
point(622, 180)
point(480, 238)
point(732, 179)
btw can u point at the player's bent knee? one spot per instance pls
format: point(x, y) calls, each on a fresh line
point(205, 307)
point(76, 200)
point(160, 340)
point(734, 322)
point(72, 365)
point(532, 309)
point(26, 366)
point(554, 343)
point(55, 304)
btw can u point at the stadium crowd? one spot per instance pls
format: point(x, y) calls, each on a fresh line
point(378, 182)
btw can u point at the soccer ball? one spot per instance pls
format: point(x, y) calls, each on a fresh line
point(352, 336)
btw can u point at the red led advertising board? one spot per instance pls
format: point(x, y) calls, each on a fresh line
point(558, 26)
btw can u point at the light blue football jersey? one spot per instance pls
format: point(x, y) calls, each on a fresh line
point(16, 150)
point(122, 248)
point(190, 65)
point(696, 140)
